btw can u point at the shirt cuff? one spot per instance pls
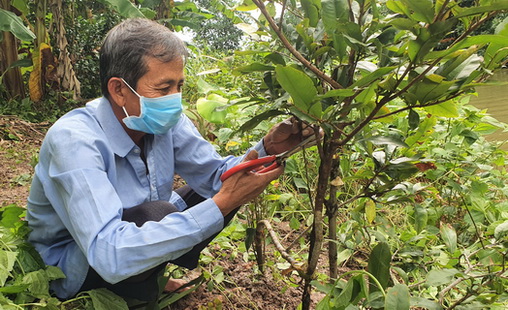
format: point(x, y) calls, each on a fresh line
point(208, 216)
point(177, 201)
point(260, 148)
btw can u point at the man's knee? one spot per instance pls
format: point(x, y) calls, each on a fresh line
point(148, 211)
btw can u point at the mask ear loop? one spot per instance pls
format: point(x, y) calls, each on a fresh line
point(125, 111)
point(132, 89)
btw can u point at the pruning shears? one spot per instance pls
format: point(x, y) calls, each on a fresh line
point(268, 163)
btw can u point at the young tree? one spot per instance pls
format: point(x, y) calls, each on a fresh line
point(343, 66)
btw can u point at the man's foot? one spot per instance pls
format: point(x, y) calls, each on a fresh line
point(175, 285)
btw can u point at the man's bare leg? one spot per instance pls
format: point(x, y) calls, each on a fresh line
point(173, 285)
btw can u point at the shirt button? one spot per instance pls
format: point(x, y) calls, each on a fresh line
point(137, 151)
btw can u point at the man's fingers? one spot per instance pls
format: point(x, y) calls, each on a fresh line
point(307, 131)
point(251, 155)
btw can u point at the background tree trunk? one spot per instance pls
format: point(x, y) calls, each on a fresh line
point(13, 79)
point(65, 70)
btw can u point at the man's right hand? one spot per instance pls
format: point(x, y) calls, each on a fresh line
point(243, 186)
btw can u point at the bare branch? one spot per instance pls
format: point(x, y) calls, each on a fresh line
point(296, 266)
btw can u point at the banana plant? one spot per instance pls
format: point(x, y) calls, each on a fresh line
point(19, 29)
point(13, 30)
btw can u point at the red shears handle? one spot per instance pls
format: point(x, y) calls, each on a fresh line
point(252, 165)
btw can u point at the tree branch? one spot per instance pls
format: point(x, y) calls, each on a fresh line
point(296, 266)
point(320, 74)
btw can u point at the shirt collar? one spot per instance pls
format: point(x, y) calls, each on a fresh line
point(119, 140)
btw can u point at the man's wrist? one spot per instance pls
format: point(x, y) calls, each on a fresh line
point(260, 147)
point(223, 203)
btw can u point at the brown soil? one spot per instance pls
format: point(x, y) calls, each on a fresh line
point(243, 286)
point(19, 145)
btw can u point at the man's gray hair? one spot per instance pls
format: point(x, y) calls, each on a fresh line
point(127, 46)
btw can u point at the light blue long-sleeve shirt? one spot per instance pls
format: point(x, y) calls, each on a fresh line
point(90, 170)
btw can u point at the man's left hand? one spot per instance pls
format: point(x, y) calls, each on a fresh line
point(286, 135)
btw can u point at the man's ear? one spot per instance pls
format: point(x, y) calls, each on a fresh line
point(117, 91)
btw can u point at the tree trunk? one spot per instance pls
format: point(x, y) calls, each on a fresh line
point(13, 80)
point(332, 211)
point(65, 71)
point(316, 236)
point(259, 246)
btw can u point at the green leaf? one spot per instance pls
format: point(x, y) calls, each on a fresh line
point(12, 23)
point(379, 264)
point(461, 65)
point(421, 10)
point(418, 10)
point(449, 237)
point(298, 84)
point(486, 129)
point(294, 223)
point(11, 216)
point(324, 304)
point(254, 67)
point(365, 81)
point(425, 128)
point(334, 12)
point(124, 7)
point(316, 110)
point(104, 299)
point(370, 211)
point(441, 277)
point(7, 260)
point(205, 87)
point(345, 92)
point(37, 281)
point(311, 9)
point(345, 295)
point(497, 51)
point(420, 302)
point(490, 257)
point(430, 89)
point(12, 289)
point(421, 218)
point(445, 109)
point(253, 122)
point(499, 40)
point(213, 108)
point(29, 258)
point(401, 170)
point(53, 273)
point(276, 58)
point(470, 137)
point(247, 5)
point(148, 13)
point(397, 297)
point(250, 233)
point(413, 119)
point(344, 255)
point(498, 6)
point(402, 274)
point(501, 230)
point(403, 23)
point(398, 7)
point(413, 48)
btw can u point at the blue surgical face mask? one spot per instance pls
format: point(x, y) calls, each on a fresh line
point(157, 115)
